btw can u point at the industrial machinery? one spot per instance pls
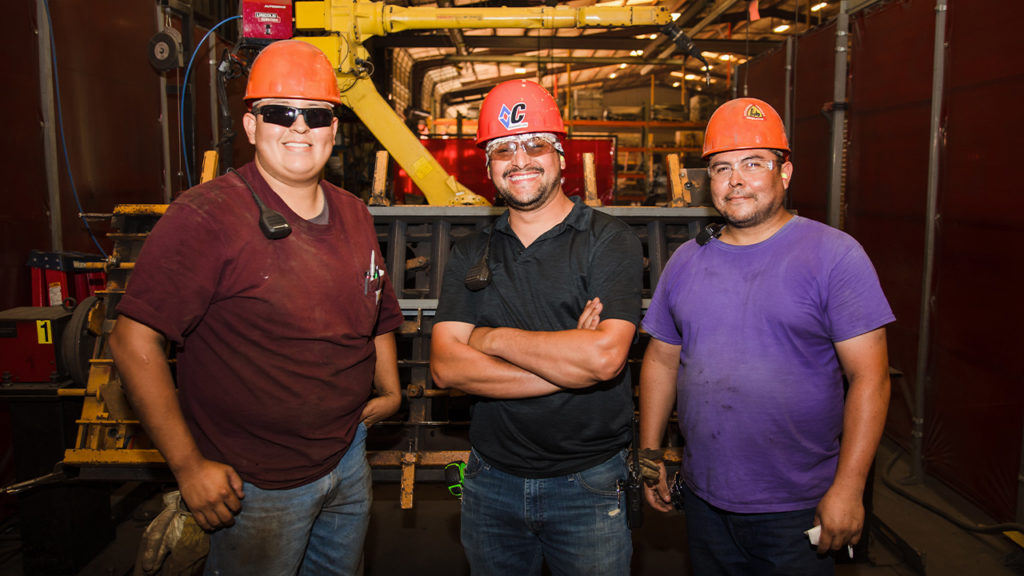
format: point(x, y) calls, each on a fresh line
point(429, 431)
point(340, 27)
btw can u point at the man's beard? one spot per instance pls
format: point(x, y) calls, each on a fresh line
point(544, 190)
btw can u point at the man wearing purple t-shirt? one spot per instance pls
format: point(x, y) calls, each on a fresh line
point(753, 326)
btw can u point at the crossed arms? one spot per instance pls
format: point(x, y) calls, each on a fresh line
point(512, 363)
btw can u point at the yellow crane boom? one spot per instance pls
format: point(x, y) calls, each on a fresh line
point(339, 28)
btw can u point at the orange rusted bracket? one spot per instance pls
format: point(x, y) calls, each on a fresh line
point(590, 180)
point(409, 460)
point(678, 182)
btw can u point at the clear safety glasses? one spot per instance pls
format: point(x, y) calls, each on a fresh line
point(286, 115)
point(747, 166)
point(506, 150)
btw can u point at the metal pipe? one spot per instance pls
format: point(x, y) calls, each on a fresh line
point(931, 218)
point(787, 107)
point(604, 60)
point(47, 105)
point(834, 200)
point(211, 62)
point(165, 135)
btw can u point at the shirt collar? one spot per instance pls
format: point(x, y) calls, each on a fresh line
point(578, 218)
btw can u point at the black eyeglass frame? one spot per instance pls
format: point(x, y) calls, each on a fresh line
point(283, 115)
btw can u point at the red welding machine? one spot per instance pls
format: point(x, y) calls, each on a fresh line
point(265, 22)
point(30, 344)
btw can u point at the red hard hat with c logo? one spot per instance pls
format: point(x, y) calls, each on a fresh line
point(517, 107)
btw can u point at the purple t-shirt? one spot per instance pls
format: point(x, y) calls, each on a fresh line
point(760, 390)
point(275, 349)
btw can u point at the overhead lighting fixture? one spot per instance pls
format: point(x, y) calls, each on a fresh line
point(691, 77)
point(621, 66)
point(653, 36)
point(725, 57)
point(676, 15)
point(780, 28)
point(520, 70)
point(818, 6)
point(675, 84)
point(676, 73)
point(612, 75)
point(705, 68)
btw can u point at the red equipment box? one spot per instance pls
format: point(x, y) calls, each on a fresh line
point(57, 276)
point(265, 22)
point(30, 344)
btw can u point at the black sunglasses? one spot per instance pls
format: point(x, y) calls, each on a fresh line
point(286, 115)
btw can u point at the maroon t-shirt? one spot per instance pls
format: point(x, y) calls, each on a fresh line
point(275, 351)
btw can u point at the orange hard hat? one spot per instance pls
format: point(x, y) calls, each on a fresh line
point(517, 107)
point(743, 124)
point(292, 69)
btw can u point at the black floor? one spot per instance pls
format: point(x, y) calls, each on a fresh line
point(424, 541)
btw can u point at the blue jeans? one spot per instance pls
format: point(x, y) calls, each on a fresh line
point(311, 530)
point(576, 522)
point(726, 543)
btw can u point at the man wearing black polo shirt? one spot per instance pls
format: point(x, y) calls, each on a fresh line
point(542, 344)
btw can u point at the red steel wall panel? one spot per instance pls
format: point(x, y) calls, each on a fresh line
point(974, 412)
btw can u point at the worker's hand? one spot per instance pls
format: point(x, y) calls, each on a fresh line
point(841, 516)
point(591, 315)
point(379, 408)
point(212, 491)
point(658, 495)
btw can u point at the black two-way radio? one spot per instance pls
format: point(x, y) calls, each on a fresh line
point(478, 276)
point(710, 231)
point(272, 223)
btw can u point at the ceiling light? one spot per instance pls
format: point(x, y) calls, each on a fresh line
point(676, 15)
point(676, 73)
point(612, 75)
point(780, 28)
point(705, 68)
point(675, 84)
point(520, 70)
point(725, 57)
point(818, 6)
point(653, 36)
point(691, 77)
point(621, 66)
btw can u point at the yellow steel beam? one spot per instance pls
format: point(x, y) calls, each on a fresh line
point(349, 23)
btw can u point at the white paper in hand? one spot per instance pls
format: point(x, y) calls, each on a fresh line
point(814, 533)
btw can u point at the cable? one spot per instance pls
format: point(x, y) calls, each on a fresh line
point(981, 528)
point(184, 86)
point(63, 140)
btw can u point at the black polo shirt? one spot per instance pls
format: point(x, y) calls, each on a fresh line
point(545, 287)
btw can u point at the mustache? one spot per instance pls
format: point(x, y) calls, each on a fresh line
point(514, 169)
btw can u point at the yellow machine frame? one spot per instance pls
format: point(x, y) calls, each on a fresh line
point(340, 27)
